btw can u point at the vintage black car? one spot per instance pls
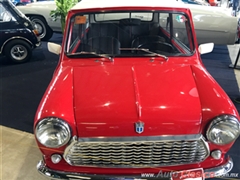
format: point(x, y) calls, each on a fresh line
point(18, 35)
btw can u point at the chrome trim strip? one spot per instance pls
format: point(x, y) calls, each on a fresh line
point(61, 175)
point(14, 37)
point(196, 137)
point(206, 146)
point(142, 138)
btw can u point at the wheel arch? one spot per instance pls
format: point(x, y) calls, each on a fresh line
point(15, 38)
point(38, 15)
point(46, 32)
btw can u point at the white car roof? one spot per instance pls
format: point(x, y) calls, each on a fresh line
point(198, 9)
point(89, 4)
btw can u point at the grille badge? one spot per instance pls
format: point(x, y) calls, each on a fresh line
point(139, 127)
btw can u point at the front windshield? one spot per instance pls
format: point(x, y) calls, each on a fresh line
point(5, 15)
point(133, 33)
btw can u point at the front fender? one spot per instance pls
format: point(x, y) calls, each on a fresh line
point(58, 98)
point(214, 100)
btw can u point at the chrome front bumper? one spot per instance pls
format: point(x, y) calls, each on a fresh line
point(38, 44)
point(52, 174)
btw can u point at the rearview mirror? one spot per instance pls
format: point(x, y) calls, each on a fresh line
point(54, 48)
point(205, 48)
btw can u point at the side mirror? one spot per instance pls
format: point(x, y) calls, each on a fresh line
point(54, 48)
point(205, 48)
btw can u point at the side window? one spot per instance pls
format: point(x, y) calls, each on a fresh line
point(5, 15)
point(180, 31)
point(164, 21)
point(1, 12)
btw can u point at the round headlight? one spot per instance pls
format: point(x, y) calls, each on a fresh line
point(223, 130)
point(52, 132)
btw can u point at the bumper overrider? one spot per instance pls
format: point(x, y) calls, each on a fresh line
point(38, 44)
point(53, 174)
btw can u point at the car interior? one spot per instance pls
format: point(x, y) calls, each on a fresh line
point(139, 33)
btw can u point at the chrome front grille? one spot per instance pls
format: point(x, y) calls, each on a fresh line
point(137, 151)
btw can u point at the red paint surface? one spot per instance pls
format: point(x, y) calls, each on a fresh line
point(104, 98)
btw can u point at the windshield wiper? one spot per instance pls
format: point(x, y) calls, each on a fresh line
point(145, 50)
point(90, 53)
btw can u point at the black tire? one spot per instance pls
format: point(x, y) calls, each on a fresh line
point(45, 32)
point(18, 51)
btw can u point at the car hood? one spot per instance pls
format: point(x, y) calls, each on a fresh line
point(111, 99)
point(41, 3)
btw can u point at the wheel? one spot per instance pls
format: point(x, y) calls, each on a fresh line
point(18, 51)
point(45, 32)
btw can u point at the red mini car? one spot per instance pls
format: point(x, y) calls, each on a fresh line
point(131, 98)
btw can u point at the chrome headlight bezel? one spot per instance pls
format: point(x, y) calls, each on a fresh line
point(223, 120)
point(60, 129)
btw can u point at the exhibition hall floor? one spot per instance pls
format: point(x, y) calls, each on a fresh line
point(22, 86)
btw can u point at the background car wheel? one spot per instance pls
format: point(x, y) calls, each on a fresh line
point(18, 51)
point(45, 32)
